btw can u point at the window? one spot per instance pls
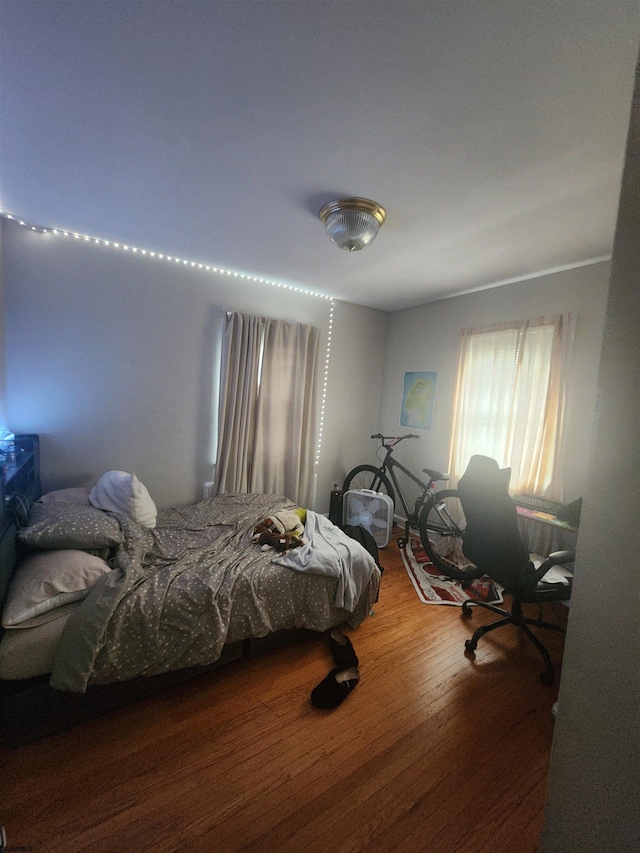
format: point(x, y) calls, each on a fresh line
point(510, 400)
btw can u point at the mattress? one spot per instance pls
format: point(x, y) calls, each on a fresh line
point(30, 652)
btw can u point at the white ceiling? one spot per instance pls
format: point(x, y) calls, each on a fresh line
point(492, 132)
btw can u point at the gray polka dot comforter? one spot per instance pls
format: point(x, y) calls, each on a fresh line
point(195, 582)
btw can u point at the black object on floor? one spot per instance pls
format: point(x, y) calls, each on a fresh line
point(364, 537)
point(342, 650)
point(335, 507)
point(334, 688)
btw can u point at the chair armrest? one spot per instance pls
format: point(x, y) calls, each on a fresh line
point(558, 558)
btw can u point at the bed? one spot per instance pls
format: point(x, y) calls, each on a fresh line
point(129, 608)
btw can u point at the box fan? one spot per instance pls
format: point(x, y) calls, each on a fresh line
point(371, 510)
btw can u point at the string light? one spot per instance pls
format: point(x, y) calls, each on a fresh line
point(325, 384)
point(169, 258)
point(207, 268)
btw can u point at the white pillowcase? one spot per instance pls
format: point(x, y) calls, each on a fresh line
point(117, 491)
point(45, 581)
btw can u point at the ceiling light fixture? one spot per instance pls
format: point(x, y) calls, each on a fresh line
point(352, 223)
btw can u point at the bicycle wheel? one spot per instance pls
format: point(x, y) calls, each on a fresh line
point(442, 525)
point(368, 477)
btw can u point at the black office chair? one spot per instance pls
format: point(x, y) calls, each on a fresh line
point(492, 541)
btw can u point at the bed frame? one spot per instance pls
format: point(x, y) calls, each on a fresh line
point(31, 709)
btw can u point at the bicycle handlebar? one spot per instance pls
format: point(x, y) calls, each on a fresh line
point(394, 438)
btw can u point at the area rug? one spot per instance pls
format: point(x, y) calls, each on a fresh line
point(434, 588)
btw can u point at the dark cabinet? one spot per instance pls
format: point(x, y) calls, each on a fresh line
point(20, 480)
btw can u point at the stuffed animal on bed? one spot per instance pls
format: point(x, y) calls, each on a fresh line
point(282, 530)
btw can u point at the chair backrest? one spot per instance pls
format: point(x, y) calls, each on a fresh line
point(492, 538)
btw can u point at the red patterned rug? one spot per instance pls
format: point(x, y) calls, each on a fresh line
point(434, 588)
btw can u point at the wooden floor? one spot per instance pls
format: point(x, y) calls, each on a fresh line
point(433, 751)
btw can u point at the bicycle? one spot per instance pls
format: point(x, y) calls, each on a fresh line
point(436, 515)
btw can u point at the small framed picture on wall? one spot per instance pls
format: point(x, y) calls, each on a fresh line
point(418, 396)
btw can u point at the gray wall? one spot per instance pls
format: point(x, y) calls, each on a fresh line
point(357, 368)
point(112, 358)
point(594, 779)
point(427, 338)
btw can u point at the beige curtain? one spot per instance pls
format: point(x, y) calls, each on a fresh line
point(510, 401)
point(240, 373)
point(267, 422)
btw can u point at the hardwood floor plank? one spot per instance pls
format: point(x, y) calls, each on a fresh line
point(434, 750)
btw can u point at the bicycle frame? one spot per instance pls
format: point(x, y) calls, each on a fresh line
point(437, 516)
point(387, 466)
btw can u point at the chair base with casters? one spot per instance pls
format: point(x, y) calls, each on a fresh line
point(537, 594)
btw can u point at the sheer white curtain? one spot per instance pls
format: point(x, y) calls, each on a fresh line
point(268, 409)
point(510, 400)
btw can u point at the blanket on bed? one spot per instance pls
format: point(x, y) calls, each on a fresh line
point(329, 552)
point(180, 591)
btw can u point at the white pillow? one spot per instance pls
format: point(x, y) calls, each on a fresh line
point(117, 491)
point(45, 581)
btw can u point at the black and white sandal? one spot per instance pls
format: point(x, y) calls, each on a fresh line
point(334, 688)
point(342, 650)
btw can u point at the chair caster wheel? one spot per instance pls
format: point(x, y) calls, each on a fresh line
point(402, 542)
point(470, 646)
point(466, 612)
point(546, 677)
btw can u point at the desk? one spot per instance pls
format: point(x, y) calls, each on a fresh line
point(543, 533)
